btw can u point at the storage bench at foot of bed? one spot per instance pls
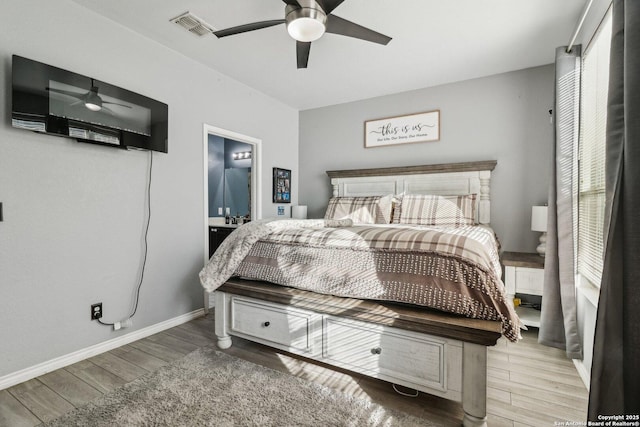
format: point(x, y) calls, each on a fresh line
point(440, 354)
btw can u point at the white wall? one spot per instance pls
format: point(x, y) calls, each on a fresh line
point(74, 213)
point(503, 117)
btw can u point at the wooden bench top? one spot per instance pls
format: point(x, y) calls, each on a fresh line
point(484, 332)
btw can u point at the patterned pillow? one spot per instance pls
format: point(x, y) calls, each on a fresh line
point(431, 209)
point(361, 210)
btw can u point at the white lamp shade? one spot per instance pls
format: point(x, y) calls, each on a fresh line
point(299, 212)
point(539, 218)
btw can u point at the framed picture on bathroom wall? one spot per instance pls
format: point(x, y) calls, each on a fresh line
point(281, 185)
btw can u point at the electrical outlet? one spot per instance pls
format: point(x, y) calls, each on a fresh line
point(96, 311)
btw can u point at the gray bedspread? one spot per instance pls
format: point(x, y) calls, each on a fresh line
point(453, 269)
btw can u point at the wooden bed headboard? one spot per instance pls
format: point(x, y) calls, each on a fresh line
point(442, 179)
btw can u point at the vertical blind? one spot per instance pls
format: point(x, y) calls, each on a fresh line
point(593, 123)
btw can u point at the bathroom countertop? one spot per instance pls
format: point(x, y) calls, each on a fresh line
point(219, 222)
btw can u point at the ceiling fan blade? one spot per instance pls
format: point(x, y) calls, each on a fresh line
point(107, 110)
point(76, 95)
point(247, 27)
point(115, 103)
point(292, 2)
point(302, 53)
point(337, 25)
point(329, 5)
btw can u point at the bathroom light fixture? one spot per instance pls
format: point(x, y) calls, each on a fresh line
point(306, 24)
point(241, 155)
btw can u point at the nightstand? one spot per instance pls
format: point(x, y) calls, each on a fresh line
point(524, 274)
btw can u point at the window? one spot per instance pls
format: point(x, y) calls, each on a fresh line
point(591, 154)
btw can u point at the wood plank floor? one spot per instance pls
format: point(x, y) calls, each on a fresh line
point(528, 384)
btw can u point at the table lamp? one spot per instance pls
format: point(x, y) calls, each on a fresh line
point(539, 223)
point(299, 212)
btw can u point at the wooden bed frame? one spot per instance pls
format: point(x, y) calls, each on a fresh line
point(427, 350)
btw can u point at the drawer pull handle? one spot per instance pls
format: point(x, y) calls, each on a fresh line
point(266, 324)
point(376, 350)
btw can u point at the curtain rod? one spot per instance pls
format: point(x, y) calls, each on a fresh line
point(579, 26)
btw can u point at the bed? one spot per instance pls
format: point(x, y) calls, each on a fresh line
point(276, 284)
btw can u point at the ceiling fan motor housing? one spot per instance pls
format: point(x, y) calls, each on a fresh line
point(306, 24)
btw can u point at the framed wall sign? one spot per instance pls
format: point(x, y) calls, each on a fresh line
point(281, 185)
point(419, 127)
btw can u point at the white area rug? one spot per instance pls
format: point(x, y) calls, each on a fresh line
point(210, 388)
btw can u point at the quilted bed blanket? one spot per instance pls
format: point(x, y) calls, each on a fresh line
point(452, 269)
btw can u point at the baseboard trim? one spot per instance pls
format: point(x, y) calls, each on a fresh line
point(583, 372)
point(85, 353)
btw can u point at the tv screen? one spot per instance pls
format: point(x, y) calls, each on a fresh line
point(55, 101)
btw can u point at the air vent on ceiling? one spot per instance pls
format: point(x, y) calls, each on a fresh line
point(193, 24)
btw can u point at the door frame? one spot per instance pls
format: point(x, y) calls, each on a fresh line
point(256, 182)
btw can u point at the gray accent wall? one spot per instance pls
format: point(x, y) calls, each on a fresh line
point(74, 213)
point(503, 117)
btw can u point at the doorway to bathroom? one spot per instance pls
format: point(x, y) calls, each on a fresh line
point(251, 182)
point(232, 184)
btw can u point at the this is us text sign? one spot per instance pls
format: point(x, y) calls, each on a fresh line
point(419, 127)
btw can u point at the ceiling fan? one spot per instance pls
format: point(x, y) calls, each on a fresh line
point(91, 99)
point(307, 21)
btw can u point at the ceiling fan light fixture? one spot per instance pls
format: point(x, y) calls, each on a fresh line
point(306, 24)
point(92, 107)
point(92, 101)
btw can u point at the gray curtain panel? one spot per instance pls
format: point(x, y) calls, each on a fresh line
point(615, 370)
point(558, 319)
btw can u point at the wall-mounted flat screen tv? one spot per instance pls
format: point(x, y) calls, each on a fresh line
point(55, 101)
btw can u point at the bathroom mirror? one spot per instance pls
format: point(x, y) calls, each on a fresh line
point(237, 190)
point(229, 181)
